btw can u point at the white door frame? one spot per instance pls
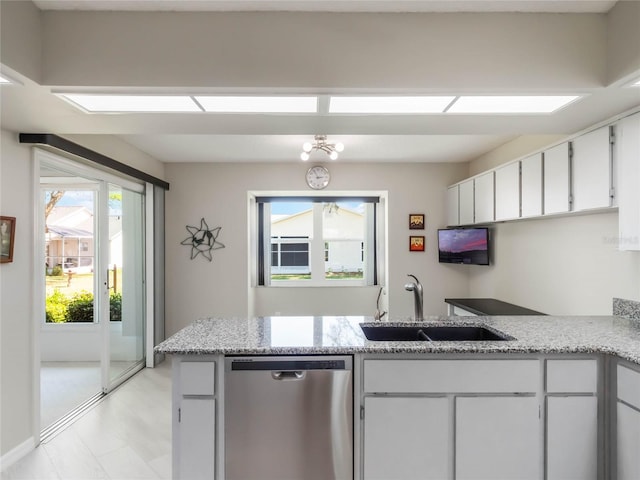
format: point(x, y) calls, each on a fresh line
point(41, 156)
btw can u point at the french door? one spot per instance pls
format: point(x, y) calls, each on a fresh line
point(92, 333)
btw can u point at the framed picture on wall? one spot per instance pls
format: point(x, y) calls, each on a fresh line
point(7, 238)
point(416, 244)
point(416, 221)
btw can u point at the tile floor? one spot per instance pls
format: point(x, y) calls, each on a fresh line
point(64, 386)
point(127, 436)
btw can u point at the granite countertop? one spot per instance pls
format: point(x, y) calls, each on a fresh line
point(490, 306)
point(342, 335)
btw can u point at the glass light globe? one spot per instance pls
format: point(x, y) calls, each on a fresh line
point(306, 146)
point(339, 147)
point(304, 156)
point(333, 155)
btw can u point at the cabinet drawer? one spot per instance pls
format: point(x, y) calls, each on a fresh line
point(451, 376)
point(197, 378)
point(572, 376)
point(629, 386)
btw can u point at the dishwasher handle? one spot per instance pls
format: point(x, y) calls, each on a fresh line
point(288, 375)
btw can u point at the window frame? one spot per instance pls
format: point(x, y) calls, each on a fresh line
point(374, 240)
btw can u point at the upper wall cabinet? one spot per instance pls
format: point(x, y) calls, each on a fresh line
point(557, 180)
point(594, 171)
point(484, 198)
point(453, 213)
point(466, 206)
point(628, 180)
point(508, 192)
point(531, 185)
point(591, 168)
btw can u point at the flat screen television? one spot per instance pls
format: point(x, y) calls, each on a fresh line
point(468, 246)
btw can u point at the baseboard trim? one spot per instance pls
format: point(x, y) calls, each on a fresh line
point(15, 454)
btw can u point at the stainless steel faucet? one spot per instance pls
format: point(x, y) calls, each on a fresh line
point(416, 288)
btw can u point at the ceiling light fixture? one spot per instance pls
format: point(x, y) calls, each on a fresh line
point(320, 143)
point(254, 104)
point(398, 105)
point(4, 79)
point(131, 103)
point(511, 104)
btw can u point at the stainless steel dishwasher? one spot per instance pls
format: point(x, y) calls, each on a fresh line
point(288, 418)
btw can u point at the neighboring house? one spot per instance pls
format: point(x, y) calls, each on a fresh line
point(70, 239)
point(343, 236)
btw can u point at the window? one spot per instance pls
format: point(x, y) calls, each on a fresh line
point(317, 241)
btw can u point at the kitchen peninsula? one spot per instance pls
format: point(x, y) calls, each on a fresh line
point(560, 400)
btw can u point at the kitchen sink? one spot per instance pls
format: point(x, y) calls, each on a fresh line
point(431, 334)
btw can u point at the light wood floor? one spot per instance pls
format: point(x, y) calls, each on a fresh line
point(127, 436)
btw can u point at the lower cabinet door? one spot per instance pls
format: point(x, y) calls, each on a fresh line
point(497, 438)
point(628, 443)
point(406, 438)
point(197, 450)
point(572, 438)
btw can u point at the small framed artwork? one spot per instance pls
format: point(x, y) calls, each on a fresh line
point(416, 221)
point(7, 238)
point(416, 244)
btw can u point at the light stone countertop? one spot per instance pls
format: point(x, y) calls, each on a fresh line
point(342, 335)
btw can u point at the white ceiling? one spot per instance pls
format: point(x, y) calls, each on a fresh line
point(368, 138)
point(565, 6)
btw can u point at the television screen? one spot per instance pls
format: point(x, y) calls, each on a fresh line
point(464, 245)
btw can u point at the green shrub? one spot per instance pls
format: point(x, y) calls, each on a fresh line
point(60, 308)
point(115, 307)
point(56, 307)
point(80, 308)
point(55, 271)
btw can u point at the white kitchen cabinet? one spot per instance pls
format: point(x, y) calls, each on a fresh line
point(531, 186)
point(466, 205)
point(497, 438)
point(572, 419)
point(194, 419)
point(591, 170)
point(197, 427)
point(628, 423)
point(508, 192)
point(628, 178)
point(628, 444)
point(557, 179)
point(453, 217)
point(572, 438)
point(406, 438)
point(484, 198)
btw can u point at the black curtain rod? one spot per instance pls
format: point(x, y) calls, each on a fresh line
point(67, 146)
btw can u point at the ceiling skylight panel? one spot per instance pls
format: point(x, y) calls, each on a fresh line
point(389, 104)
point(258, 104)
point(132, 103)
point(514, 104)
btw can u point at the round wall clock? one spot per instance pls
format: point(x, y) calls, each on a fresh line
point(318, 177)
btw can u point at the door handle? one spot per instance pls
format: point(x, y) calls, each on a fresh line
point(298, 375)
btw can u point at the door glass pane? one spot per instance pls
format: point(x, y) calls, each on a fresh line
point(69, 255)
point(126, 285)
point(343, 233)
point(70, 340)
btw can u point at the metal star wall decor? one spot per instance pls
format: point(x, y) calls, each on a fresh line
point(202, 240)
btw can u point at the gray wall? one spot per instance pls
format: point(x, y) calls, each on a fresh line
point(560, 266)
point(16, 291)
point(218, 192)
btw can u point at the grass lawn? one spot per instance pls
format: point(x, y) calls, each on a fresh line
point(79, 282)
point(328, 276)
